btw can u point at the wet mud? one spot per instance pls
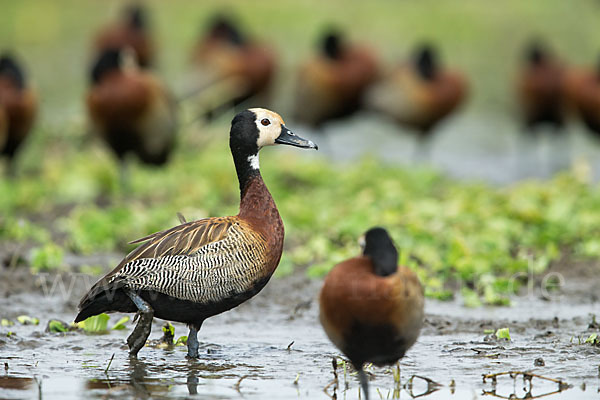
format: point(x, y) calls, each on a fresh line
point(274, 347)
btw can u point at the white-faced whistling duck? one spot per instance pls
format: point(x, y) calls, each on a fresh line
point(540, 88)
point(371, 308)
point(332, 83)
point(130, 31)
point(583, 92)
point(18, 105)
point(202, 268)
point(131, 109)
point(235, 67)
point(419, 94)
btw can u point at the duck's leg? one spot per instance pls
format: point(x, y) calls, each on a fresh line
point(192, 342)
point(140, 333)
point(364, 382)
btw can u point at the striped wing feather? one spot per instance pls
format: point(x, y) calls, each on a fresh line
point(182, 240)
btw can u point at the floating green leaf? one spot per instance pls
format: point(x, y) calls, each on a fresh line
point(6, 322)
point(181, 341)
point(27, 320)
point(503, 333)
point(57, 326)
point(121, 323)
point(95, 324)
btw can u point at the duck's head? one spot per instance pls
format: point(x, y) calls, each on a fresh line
point(536, 52)
point(10, 69)
point(225, 28)
point(256, 128)
point(379, 247)
point(332, 44)
point(109, 60)
point(114, 59)
point(135, 15)
point(426, 60)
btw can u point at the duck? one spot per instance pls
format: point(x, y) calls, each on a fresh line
point(539, 88)
point(130, 31)
point(542, 101)
point(370, 308)
point(582, 86)
point(331, 84)
point(18, 108)
point(419, 94)
point(131, 109)
point(231, 67)
point(202, 268)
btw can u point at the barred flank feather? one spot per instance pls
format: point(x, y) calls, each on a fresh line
point(204, 261)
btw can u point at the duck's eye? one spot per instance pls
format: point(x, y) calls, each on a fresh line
point(265, 122)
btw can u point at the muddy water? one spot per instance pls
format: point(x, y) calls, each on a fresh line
point(246, 353)
point(471, 145)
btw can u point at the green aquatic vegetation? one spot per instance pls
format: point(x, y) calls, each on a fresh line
point(120, 323)
point(181, 341)
point(6, 322)
point(95, 324)
point(27, 320)
point(168, 337)
point(47, 257)
point(56, 326)
point(503, 333)
point(592, 339)
point(484, 241)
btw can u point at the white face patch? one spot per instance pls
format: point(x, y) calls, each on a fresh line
point(253, 160)
point(269, 126)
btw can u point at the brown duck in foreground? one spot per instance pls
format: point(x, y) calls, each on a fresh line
point(202, 268)
point(371, 308)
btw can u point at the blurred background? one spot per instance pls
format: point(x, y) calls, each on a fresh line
point(67, 198)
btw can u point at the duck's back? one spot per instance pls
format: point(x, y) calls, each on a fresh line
point(411, 100)
point(331, 88)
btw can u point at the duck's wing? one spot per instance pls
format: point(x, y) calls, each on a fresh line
point(184, 239)
point(201, 261)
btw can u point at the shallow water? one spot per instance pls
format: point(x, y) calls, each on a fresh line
point(471, 145)
point(245, 354)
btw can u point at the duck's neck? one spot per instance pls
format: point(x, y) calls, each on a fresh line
point(256, 203)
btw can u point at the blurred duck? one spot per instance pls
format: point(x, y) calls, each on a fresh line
point(583, 91)
point(371, 308)
point(130, 31)
point(541, 95)
point(539, 88)
point(331, 84)
point(18, 105)
point(419, 94)
point(231, 68)
point(131, 109)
